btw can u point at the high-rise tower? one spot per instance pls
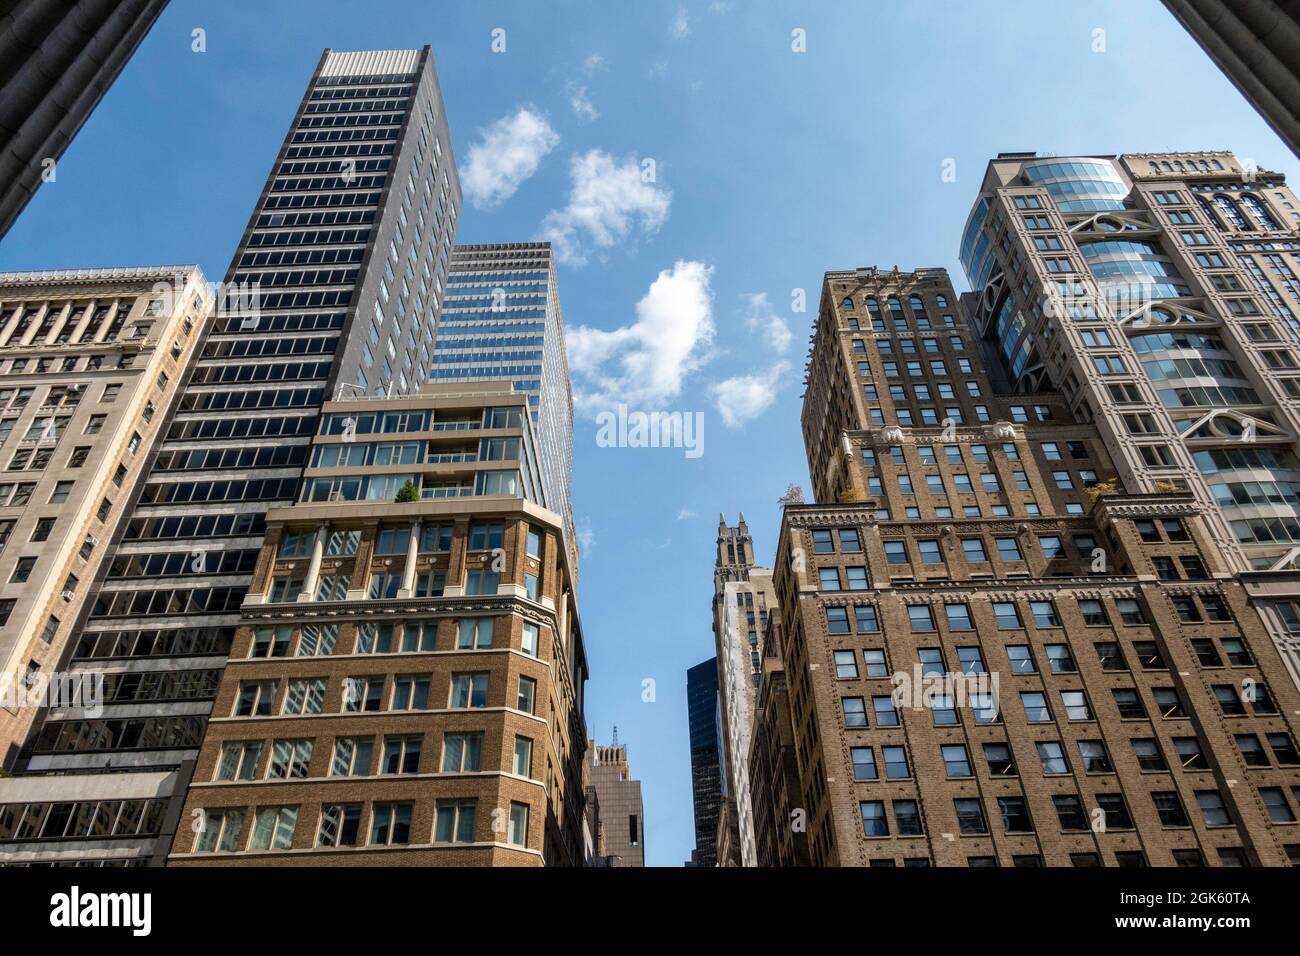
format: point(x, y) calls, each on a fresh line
point(59, 59)
point(994, 656)
point(502, 322)
point(1159, 294)
point(335, 288)
point(704, 721)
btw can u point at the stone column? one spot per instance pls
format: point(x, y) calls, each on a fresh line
point(408, 571)
point(313, 570)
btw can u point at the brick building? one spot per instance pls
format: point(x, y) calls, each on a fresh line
point(994, 656)
point(405, 687)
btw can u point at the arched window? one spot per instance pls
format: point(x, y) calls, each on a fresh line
point(917, 306)
point(895, 307)
point(1229, 212)
point(873, 307)
point(847, 303)
point(1167, 167)
point(942, 300)
point(1258, 212)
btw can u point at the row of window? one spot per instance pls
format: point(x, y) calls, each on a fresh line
point(340, 825)
point(321, 640)
point(462, 752)
point(304, 696)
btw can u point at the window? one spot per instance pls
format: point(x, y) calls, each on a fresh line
point(1115, 811)
point(518, 831)
point(469, 690)
point(391, 824)
point(1069, 812)
point(239, 760)
point(461, 753)
point(1021, 659)
point(1035, 704)
point(1169, 808)
point(886, 715)
point(1130, 611)
point(475, 633)
point(855, 711)
point(846, 665)
point(837, 620)
point(959, 618)
point(907, 817)
point(920, 617)
point(864, 763)
point(289, 759)
point(1148, 754)
point(1015, 815)
point(1094, 756)
point(1076, 705)
point(1059, 659)
point(527, 694)
point(523, 757)
point(221, 831)
point(896, 767)
point(895, 552)
point(1052, 757)
point(828, 579)
point(454, 821)
point(1044, 613)
point(255, 698)
point(352, 756)
point(529, 639)
point(874, 821)
point(876, 663)
point(1008, 549)
point(1128, 703)
point(970, 817)
point(1168, 702)
point(956, 761)
point(1213, 810)
point(865, 615)
point(1007, 616)
point(1279, 810)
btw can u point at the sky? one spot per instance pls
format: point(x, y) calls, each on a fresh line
point(696, 164)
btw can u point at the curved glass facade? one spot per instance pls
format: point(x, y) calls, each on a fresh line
point(1079, 185)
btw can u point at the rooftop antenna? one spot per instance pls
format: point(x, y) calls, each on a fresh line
point(615, 744)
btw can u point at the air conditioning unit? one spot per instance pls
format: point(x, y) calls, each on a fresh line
point(68, 595)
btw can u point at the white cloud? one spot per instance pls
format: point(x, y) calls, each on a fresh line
point(763, 320)
point(686, 513)
point(586, 537)
point(645, 363)
point(593, 63)
point(681, 25)
point(744, 397)
point(581, 105)
point(607, 198)
point(508, 152)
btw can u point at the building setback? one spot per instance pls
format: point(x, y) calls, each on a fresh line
point(335, 287)
point(405, 687)
point(622, 814)
point(995, 655)
point(91, 360)
point(1158, 293)
point(1257, 45)
point(706, 768)
point(60, 59)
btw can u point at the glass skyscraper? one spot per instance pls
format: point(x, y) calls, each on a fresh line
point(335, 288)
point(501, 321)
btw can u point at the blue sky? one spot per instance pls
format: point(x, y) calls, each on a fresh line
point(770, 168)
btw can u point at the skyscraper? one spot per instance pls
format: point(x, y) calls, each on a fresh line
point(1257, 44)
point(406, 684)
point(91, 361)
point(742, 600)
point(1159, 294)
point(995, 656)
point(502, 321)
point(60, 58)
point(706, 767)
point(335, 287)
point(622, 814)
